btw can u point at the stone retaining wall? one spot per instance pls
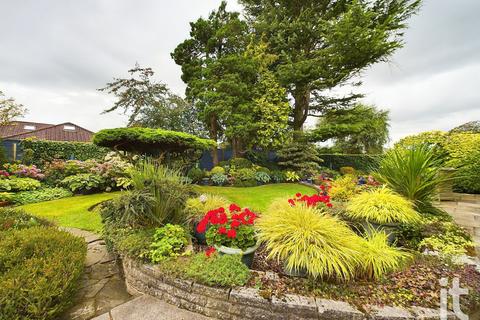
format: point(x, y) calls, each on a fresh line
point(246, 303)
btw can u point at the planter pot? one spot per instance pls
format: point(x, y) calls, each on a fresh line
point(201, 238)
point(247, 255)
point(390, 229)
point(302, 273)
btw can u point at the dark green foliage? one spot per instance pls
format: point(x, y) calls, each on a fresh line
point(11, 218)
point(40, 269)
point(168, 241)
point(43, 194)
point(218, 270)
point(245, 183)
point(299, 156)
point(360, 162)
point(46, 151)
point(196, 174)
point(361, 129)
point(240, 163)
point(3, 153)
point(325, 44)
point(132, 209)
point(245, 237)
point(150, 141)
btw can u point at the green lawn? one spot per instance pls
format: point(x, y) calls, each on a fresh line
point(257, 198)
point(72, 212)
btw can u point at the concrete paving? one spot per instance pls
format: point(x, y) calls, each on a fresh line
point(149, 308)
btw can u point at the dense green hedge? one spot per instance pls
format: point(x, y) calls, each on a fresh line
point(362, 162)
point(40, 269)
point(150, 141)
point(45, 151)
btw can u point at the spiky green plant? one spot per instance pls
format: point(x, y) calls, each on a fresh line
point(378, 258)
point(413, 173)
point(306, 238)
point(381, 206)
point(167, 186)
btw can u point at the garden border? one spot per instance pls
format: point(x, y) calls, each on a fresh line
point(246, 303)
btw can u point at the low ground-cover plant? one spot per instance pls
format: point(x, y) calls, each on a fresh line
point(84, 183)
point(168, 241)
point(39, 195)
point(15, 184)
point(39, 272)
point(447, 238)
point(131, 242)
point(381, 206)
point(218, 270)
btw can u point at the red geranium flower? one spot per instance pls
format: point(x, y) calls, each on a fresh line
point(235, 224)
point(222, 230)
point(210, 251)
point(291, 201)
point(231, 233)
point(202, 226)
point(298, 195)
point(234, 208)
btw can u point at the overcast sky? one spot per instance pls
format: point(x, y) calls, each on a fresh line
point(55, 54)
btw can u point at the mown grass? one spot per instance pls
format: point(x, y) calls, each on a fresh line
point(257, 198)
point(73, 211)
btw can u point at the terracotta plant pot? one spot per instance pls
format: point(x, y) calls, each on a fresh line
point(247, 255)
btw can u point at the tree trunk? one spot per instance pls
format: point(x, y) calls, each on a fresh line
point(213, 130)
point(301, 107)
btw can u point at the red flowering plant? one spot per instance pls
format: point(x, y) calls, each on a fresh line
point(311, 201)
point(235, 230)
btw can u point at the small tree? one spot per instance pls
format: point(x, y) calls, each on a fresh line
point(9, 109)
point(299, 156)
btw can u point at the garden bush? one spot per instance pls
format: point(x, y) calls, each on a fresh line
point(217, 170)
point(84, 183)
point(347, 170)
point(195, 174)
point(219, 179)
point(6, 196)
point(262, 177)
point(381, 206)
point(299, 156)
point(344, 188)
point(47, 151)
point(13, 218)
point(277, 176)
point(168, 241)
point(360, 162)
point(131, 242)
point(40, 269)
point(308, 239)
point(218, 270)
point(240, 163)
point(39, 195)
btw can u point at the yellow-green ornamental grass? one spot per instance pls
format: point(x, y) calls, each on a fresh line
point(378, 258)
point(197, 207)
point(307, 238)
point(381, 206)
point(310, 239)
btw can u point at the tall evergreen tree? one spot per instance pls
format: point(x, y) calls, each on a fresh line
point(322, 44)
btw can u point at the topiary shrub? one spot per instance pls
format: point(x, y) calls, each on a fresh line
point(150, 141)
point(195, 174)
point(40, 269)
point(299, 156)
point(218, 270)
point(217, 170)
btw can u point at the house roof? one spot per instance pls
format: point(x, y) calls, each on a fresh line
point(42, 131)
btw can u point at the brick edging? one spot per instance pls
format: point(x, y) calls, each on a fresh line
point(246, 303)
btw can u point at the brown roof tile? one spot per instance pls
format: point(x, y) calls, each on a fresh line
point(54, 133)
